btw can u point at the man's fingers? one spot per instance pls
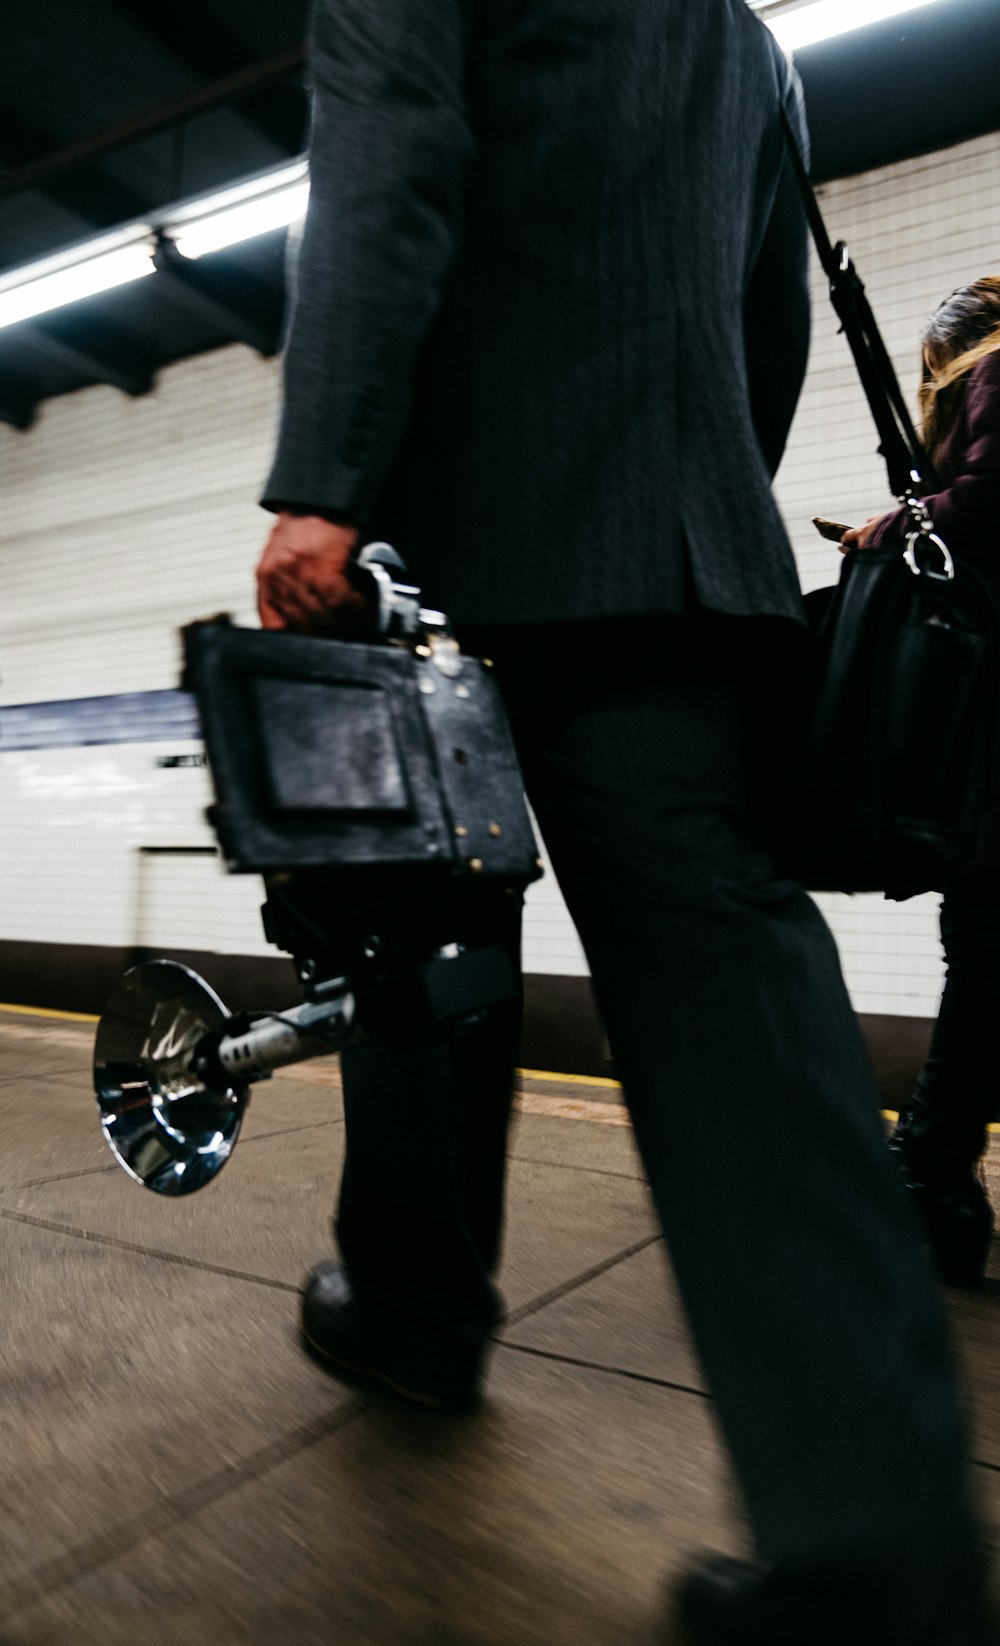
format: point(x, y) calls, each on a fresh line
point(311, 605)
point(270, 615)
point(285, 600)
point(301, 578)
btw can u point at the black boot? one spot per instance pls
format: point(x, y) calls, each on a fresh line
point(937, 1150)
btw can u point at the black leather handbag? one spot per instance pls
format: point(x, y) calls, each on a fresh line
point(900, 756)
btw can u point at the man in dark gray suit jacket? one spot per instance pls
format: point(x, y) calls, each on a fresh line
point(549, 331)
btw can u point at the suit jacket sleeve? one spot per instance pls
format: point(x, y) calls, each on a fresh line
point(966, 513)
point(776, 309)
point(389, 156)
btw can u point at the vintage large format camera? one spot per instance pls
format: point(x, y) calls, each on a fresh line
point(374, 785)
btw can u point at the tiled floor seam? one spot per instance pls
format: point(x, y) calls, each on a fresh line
point(102, 1171)
point(536, 1304)
point(72, 1232)
point(607, 1371)
point(313, 1126)
point(576, 1166)
point(113, 1543)
point(55, 1177)
point(37, 1074)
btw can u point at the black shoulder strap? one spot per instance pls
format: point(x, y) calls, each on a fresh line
point(911, 472)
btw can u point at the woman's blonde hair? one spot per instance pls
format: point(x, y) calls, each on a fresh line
point(965, 329)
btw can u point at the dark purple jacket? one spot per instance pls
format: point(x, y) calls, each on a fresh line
point(966, 512)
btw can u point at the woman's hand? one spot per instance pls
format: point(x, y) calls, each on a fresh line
point(859, 537)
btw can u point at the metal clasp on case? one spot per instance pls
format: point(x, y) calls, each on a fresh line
point(910, 556)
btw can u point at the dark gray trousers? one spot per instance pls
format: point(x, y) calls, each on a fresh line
point(752, 1096)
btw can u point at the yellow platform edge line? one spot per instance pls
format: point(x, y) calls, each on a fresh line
point(571, 1079)
point(48, 1011)
point(890, 1114)
point(529, 1074)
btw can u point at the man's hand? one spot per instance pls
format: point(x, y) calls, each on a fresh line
point(301, 579)
point(859, 537)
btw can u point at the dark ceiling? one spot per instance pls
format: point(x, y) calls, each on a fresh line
point(921, 81)
point(110, 110)
point(113, 109)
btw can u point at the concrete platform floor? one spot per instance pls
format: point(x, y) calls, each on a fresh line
point(174, 1469)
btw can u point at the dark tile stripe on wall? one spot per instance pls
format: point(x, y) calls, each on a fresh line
point(126, 717)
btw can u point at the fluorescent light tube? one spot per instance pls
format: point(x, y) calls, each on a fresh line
point(258, 205)
point(55, 281)
point(823, 19)
point(233, 224)
point(255, 206)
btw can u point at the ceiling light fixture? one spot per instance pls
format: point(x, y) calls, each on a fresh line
point(228, 217)
point(98, 265)
point(816, 20)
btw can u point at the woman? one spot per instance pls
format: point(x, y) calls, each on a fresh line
point(941, 1134)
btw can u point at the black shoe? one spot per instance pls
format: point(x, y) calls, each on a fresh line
point(725, 1602)
point(954, 1208)
point(443, 1377)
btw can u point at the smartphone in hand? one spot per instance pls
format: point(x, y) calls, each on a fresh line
point(830, 529)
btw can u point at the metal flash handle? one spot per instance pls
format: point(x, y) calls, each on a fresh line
point(312, 1030)
point(397, 609)
point(173, 1070)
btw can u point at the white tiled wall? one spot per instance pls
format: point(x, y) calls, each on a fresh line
point(73, 825)
point(122, 519)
